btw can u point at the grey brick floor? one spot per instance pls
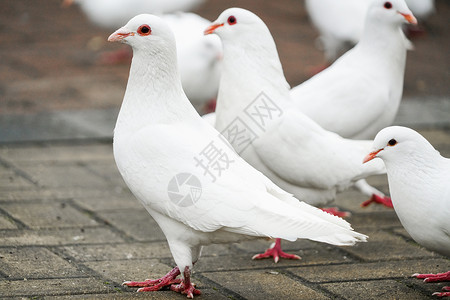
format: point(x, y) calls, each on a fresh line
point(70, 227)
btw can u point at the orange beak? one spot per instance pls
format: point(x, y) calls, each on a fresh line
point(211, 28)
point(119, 35)
point(410, 18)
point(371, 156)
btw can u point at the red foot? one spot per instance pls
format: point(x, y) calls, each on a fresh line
point(151, 285)
point(336, 212)
point(276, 252)
point(170, 279)
point(436, 278)
point(386, 201)
point(186, 287)
point(443, 294)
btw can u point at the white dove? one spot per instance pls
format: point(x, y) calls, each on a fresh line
point(419, 184)
point(187, 176)
point(255, 113)
point(340, 23)
point(199, 56)
point(360, 93)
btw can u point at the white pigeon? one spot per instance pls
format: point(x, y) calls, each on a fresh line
point(360, 93)
point(419, 184)
point(340, 22)
point(187, 176)
point(199, 56)
point(255, 113)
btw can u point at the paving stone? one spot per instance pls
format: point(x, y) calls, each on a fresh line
point(243, 260)
point(68, 236)
point(385, 246)
point(45, 287)
point(9, 180)
point(369, 221)
point(45, 215)
point(108, 171)
point(380, 289)
point(7, 223)
point(119, 271)
point(136, 223)
point(52, 175)
point(122, 201)
point(361, 271)
point(61, 153)
point(261, 284)
point(127, 251)
point(207, 293)
point(35, 262)
point(39, 194)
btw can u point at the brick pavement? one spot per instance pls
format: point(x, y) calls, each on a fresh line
point(70, 227)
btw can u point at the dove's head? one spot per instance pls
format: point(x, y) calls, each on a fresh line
point(397, 143)
point(234, 23)
point(391, 11)
point(145, 32)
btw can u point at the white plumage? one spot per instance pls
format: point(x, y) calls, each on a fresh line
point(291, 149)
point(360, 93)
point(159, 135)
point(199, 56)
point(419, 184)
point(340, 22)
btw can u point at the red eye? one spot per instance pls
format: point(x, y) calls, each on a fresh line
point(144, 30)
point(387, 5)
point(232, 20)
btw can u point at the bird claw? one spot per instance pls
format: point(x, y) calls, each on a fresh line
point(433, 277)
point(276, 252)
point(336, 212)
point(439, 277)
point(150, 285)
point(386, 201)
point(189, 291)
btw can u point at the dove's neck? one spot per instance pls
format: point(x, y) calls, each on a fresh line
point(385, 44)
point(154, 94)
point(250, 67)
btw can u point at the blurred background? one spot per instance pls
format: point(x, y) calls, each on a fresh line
point(50, 57)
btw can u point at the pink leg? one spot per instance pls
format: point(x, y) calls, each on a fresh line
point(336, 212)
point(386, 201)
point(433, 277)
point(446, 292)
point(436, 278)
point(186, 287)
point(156, 284)
point(276, 253)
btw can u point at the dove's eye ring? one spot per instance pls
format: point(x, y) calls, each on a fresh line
point(387, 5)
point(392, 142)
point(144, 30)
point(232, 20)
